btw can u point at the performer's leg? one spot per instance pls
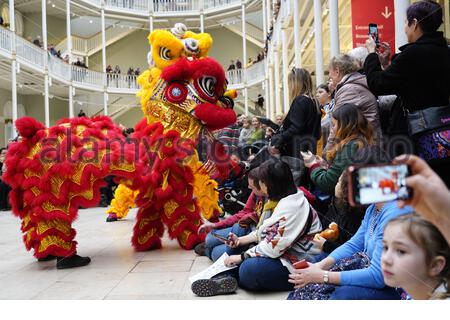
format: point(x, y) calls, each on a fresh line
point(183, 223)
point(148, 230)
point(124, 198)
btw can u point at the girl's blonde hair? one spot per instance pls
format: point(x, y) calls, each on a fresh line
point(433, 243)
point(300, 83)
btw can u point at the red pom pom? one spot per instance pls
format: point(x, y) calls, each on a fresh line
point(27, 127)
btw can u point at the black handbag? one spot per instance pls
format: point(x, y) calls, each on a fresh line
point(430, 129)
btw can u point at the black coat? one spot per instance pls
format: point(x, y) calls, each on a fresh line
point(348, 220)
point(300, 129)
point(419, 75)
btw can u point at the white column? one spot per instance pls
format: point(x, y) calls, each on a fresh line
point(265, 61)
point(103, 40)
point(297, 44)
point(264, 14)
point(105, 94)
point(12, 27)
point(334, 27)
point(244, 57)
point(447, 19)
point(69, 53)
point(400, 7)
point(202, 16)
point(150, 23)
point(105, 103)
point(268, 14)
point(266, 96)
point(202, 22)
point(318, 40)
point(271, 101)
point(276, 71)
point(68, 31)
point(46, 81)
point(71, 113)
point(284, 56)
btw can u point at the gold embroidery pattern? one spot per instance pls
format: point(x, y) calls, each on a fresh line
point(169, 207)
point(184, 236)
point(54, 241)
point(172, 117)
point(143, 239)
point(176, 224)
point(58, 224)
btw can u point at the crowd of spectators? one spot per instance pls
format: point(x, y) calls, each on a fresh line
point(385, 250)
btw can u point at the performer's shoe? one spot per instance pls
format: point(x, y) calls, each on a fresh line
point(47, 258)
point(200, 249)
point(111, 217)
point(211, 287)
point(72, 262)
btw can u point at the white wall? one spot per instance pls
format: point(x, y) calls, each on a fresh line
point(132, 50)
point(56, 28)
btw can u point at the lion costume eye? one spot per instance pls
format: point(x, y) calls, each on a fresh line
point(164, 53)
point(206, 87)
point(176, 92)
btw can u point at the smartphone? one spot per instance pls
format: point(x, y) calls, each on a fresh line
point(373, 31)
point(220, 237)
point(378, 183)
point(302, 264)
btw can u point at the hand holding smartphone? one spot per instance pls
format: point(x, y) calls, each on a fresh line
point(215, 235)
point(373, 32)
point(378, 183)
point(302, 264)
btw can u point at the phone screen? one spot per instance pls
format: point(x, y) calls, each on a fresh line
point(373, 31)
point(220, 237)
point(380, 184)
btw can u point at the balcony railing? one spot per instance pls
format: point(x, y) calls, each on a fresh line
point(86, 77)
point(58, 68)
point(5, 40)
point(30, 53)
point(176, 6)
point(142, 7)
point(34, 57)
point(256, 72)
point(130, 5)
point(212, 4)
point(235, 77)
point(119, 81)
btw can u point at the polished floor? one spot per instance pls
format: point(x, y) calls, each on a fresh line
point(115, 272)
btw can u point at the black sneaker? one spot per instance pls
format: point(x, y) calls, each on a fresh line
point(200, 249)
point(111, 218)
point(72, 262)
point(47, 258)
point(214, 286)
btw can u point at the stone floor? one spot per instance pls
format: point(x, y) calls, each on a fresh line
point(115, 272)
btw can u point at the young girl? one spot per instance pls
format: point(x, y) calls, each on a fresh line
point(416, 257)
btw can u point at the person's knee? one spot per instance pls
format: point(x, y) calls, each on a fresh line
point(249, 274)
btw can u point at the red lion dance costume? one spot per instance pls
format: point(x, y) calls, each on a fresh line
point(53, 171)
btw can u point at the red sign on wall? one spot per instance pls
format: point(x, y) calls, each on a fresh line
point(380, 12)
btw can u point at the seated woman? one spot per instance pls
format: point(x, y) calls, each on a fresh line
point(258, 132)
point(353, 270)
point(353, 132)
point(283, 238)
point(347, 218)
point(241, 223)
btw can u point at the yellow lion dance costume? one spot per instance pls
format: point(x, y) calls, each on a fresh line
point(167, 47)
